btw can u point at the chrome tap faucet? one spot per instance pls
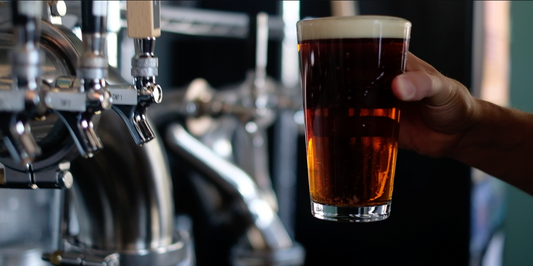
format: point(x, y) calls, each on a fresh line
point(23, 101)
point(62, 102)
point(143, 26)
point(92, 96)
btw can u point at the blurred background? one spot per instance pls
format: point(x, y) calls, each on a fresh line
point(445, 213)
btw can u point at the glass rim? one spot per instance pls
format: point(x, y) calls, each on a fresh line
point(360, 26)
point(356, 17)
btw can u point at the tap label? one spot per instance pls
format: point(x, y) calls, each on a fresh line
point(66, 101)
point(12, 100)
point(123, 96)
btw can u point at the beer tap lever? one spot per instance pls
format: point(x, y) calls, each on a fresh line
point(143, 26)
point(22, 102)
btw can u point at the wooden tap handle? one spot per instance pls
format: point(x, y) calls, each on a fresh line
point(144, 19)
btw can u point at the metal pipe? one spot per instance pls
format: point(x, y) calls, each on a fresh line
point(267, 242)
point(235, 182)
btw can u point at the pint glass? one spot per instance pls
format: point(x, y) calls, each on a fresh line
point(351, 116)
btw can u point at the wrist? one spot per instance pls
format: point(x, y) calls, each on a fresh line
point(496, 140)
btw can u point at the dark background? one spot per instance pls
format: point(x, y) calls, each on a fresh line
point(430, 217)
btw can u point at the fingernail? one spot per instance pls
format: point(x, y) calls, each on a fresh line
point(406, 88)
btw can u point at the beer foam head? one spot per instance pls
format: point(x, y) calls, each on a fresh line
point(353, 27)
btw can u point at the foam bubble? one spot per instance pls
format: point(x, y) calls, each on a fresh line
point(353, 27)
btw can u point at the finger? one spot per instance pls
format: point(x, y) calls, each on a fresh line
point(414, 63)
point(423, 82)
point(434, 90)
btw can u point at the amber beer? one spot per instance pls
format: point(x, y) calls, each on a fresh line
point(351, 116)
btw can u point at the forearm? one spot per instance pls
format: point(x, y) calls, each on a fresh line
point(500, 143)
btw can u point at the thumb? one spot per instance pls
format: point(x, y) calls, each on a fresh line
point(435, 90)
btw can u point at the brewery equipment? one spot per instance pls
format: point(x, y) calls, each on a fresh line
point(71, 122)
point(56, 102)
point(224, 128)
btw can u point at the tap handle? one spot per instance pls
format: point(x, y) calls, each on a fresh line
point(93, 16)
point(26, 16)
point(80, 126)
point(261, 48)
point(18, 138)
point(93, 61)
point(144, 19)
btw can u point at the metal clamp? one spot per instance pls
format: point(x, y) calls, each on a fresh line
point(62, 258)
point(54, 177)
point(170, 255)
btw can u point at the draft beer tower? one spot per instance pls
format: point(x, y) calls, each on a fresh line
point(58, 131)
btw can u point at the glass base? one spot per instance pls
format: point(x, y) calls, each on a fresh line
point(351, 214)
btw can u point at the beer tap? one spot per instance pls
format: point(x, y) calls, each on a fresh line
point(143, 26)
point(78, 108)
point(22, 102)
point(261, 93)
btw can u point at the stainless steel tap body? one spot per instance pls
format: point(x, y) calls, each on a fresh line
point(123, 195)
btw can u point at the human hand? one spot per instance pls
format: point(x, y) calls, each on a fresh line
point(436, 112)
point(440, 118)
